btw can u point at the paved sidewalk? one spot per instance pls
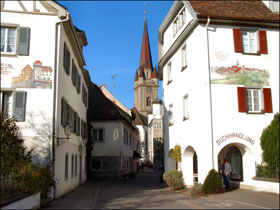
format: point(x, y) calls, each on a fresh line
point(82, 197)
point(145, 192)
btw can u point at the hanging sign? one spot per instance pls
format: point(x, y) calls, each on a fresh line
point(235, 135)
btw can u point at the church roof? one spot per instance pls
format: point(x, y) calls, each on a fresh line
point(146, 58)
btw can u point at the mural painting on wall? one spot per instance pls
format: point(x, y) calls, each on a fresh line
point(237, 74)
point(37, 77)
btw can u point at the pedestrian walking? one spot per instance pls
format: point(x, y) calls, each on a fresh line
point(142, 166)
point(227, 171)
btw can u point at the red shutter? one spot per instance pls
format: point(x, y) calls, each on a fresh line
point(237, 38)
point(267, 100)
point(263, 42)
point(242, 102)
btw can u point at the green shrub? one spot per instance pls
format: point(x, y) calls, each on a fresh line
point(212, 183)
point(265, 171)
point(270, 143)
point(33, 179)
point(174, 179)
point(196, 190)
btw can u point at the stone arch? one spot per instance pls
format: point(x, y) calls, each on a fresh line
point(241, 159)
point(190, 166)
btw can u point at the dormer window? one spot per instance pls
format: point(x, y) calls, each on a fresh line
point(179, 21)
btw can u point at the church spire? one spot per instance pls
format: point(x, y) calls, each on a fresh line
point(146, 59)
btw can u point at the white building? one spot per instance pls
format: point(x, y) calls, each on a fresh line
point(155, 134)
point(113, 136)
point(44, 85)
point(219, 62)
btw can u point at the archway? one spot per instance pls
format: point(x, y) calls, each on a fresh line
point(190, 166)
point(241, 159)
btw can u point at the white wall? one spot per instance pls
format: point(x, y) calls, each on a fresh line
point(194, 81)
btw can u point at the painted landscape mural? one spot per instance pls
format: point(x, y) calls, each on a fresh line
point(239, 75)
point(38, 76)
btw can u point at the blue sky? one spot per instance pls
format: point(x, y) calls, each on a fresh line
point(114, 30)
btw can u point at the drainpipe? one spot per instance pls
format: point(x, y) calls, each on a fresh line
point(54, 102)
point(210, 92)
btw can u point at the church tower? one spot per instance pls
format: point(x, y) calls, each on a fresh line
point(146, 81)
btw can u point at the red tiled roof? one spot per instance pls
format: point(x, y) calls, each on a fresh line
point(239, 10)
point(47, 68)
point(38, 62)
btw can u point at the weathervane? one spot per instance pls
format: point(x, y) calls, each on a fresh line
point(114, 85)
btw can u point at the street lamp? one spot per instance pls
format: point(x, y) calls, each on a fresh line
point(67, 131)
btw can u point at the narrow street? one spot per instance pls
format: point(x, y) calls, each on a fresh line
point(144, 192)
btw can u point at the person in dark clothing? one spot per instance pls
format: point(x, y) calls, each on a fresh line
point(142, 167)
point(227, 171)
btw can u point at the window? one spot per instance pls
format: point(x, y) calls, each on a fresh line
point(254, 100)
point(72, 166)
point(179, 21)
point(66, 59)
point(77, 124)
point(250, 41)
point(64, 112)
point(170, 115)
point(96, 165)
point(74, 72)
point(157, 125)
point(184, 57)
point(66, 166)
point(169, 73)
point(13, 104)
point(130, 139)
point(76, 165)
point(8, 40)
point(148, 101)
point(9, 43)
point(84, 95)
point(186, 107)
point(97, 135)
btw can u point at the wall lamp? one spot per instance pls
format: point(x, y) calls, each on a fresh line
point(67, 131)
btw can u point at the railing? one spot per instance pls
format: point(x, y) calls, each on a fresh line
point(10, 185)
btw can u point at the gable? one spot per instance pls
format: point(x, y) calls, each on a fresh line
point(36, 6)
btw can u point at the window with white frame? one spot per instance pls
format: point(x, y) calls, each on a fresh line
point(169, 76)
point(253, 100)
point(8, 40)
point(249, 41)
point(97, 135)
point(186, 107)
point(170, 116)
point(13, 104)
point(15, 40)
point(184, 57)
